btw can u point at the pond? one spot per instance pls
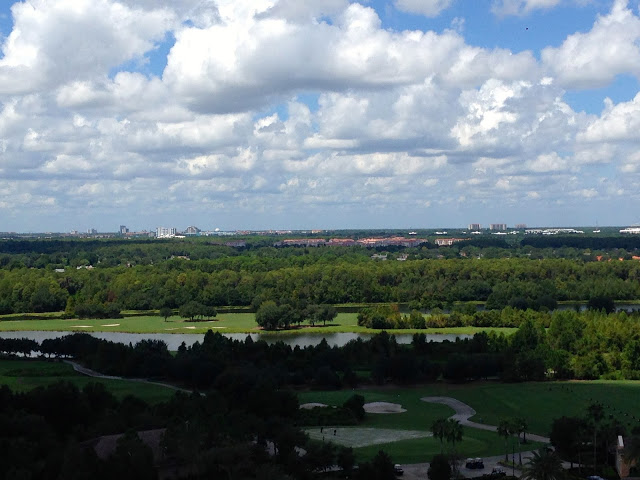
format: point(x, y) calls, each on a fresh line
point(173, 340)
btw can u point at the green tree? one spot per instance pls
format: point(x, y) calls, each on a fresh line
point(631, 452)
point(522, 426)
point(504, 430)
point(325, 313)
point(132, 459)
point(438, 428)
point(439, 468)
point(345, 459)
point(165, 312)
point(601, 302)
point(567, 436)
point(190, 310)
point(383, 466)
point(268, 315)
point(544, 465)
point(453, 432)
point(416, 320)
point(595, 415)
point(355, 403)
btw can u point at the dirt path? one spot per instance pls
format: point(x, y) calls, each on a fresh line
point(464, 412)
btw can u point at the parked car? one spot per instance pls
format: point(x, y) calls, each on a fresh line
point(397, 469)
point(496, 473)
point(474, 463)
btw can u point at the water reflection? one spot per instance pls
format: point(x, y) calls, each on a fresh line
point(173, 340)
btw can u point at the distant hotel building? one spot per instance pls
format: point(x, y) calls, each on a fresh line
point(521, 226)
point(163, 232)
point(475, 226)
point(191, 230)
point(347, 242)
point(123, 230)
point(447, 242)
point(498, 227)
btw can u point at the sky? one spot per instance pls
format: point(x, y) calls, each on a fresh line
point(301, 114)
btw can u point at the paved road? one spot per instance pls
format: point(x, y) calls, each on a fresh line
point(464, 412)
point(418, 471)
point(92, 373)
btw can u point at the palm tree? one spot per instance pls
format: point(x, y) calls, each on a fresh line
point(504, 430)
point(523, 427)
point(631, 452)
point(453, 431)
point(452, 434)
point(438, 428)
point(520, 425)
point(544, 465)
point(595, 414)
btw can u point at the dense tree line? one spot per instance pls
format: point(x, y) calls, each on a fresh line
point(50, 433)
point(519, 282)
point(561, 345)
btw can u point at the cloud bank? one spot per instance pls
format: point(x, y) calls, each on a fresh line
point(286, 114)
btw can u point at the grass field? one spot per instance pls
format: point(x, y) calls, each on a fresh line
point(357, 437)
point(25, 375)
point(538, 403)
point(224, 322)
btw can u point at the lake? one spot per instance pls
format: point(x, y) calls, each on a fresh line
point(173, 340)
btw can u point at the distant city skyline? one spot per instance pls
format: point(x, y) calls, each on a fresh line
point(334, 114)
point(192, 230)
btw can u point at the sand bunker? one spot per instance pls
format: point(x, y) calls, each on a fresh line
point(111, 325)
point(190, 328)
point(383, 407)
point(81, 326)
point(309, 406)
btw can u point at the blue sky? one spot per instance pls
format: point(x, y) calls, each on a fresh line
point(301, 114)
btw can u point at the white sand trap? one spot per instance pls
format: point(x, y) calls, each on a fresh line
point(81, 326)
point(383, 407)
point(309, 406)
point(190, 328)
point(218, 327)
point(362, 437)
point(111, 325)
point(175, 328)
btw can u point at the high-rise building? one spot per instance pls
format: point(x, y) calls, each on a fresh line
point(475, 226)
point(92, 231)
point(191, 230)
point(166, 232)
point(123, 230)
point(499, 227)
point(521, 226)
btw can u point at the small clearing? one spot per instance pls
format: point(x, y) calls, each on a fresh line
point(363, 437)
point(383, 407)
point(309, 406)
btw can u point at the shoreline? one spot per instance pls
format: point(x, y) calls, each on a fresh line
point(200, 330)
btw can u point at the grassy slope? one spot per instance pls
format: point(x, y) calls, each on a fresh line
point(25, 375)
point(225, 322)
point(538, 403)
